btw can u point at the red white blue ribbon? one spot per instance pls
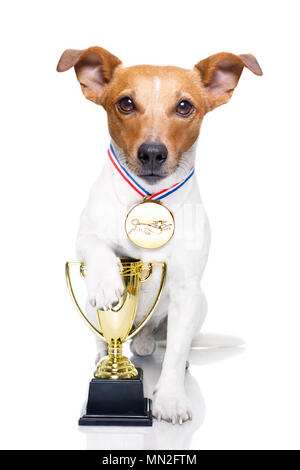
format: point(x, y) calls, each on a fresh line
point(137, 187)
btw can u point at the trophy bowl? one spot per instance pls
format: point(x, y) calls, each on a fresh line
point(116, 327)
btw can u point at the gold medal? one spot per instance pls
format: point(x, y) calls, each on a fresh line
point(149, 224)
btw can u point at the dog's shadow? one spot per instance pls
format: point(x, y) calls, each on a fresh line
point(163, 435)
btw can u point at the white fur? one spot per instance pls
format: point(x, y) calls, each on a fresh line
point(102, 239)
point(157, 86)
point(156, 94)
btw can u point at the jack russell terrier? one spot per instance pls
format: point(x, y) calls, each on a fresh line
point(154, 119)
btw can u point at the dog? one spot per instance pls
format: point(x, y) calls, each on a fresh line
point(154, 118)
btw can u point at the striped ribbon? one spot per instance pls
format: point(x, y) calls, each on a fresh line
point(137, 187)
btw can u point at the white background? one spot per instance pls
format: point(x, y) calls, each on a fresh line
point(53, 142)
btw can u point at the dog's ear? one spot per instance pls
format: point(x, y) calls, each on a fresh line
point(220, 74)
point(94, 68)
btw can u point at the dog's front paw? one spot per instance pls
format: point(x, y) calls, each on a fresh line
point(172, 406)
point(104, 283)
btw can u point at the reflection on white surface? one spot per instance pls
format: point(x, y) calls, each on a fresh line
point(163, 435)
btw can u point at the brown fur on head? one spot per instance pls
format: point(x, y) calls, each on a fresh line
point(155, 96)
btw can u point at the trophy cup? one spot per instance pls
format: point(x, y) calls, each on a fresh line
point(116, 395)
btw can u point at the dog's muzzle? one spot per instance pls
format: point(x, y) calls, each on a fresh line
point(152, 157)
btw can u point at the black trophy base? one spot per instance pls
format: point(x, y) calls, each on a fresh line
point(117, 403)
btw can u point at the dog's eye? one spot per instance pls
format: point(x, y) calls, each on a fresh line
point(126, 105)
point(184, 108)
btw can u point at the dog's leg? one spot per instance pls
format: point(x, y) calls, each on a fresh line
point(186, 314)
point(143, 344)
point(104, 283)
point(160, 333)
point(102, 349)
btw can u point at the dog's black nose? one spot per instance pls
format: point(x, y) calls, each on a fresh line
point(152, 155)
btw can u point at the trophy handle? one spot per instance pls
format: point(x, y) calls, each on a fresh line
point(162, 283)
point(70, 287)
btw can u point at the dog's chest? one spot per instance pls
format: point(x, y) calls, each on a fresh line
point(189, 226)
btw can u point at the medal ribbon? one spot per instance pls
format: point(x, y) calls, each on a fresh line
point(137, 187)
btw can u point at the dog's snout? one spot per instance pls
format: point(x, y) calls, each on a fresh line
point(152, 155)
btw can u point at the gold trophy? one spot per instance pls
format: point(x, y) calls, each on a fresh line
point(116, 394)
